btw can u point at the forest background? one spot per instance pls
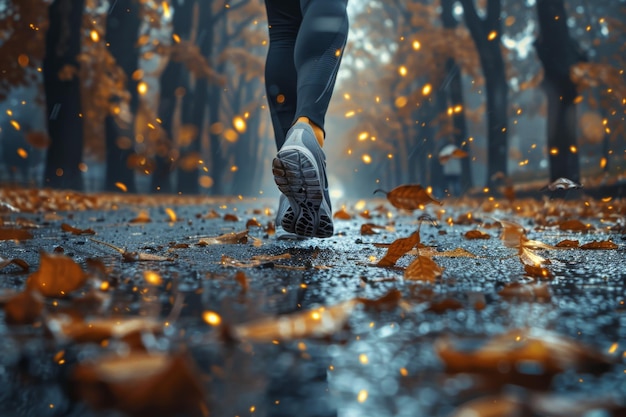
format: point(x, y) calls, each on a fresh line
point(168, 96)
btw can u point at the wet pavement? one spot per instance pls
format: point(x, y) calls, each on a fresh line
point(385, 360)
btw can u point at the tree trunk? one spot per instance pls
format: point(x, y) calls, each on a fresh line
point(121, 35)
point(454, 86)
point(558, 52)
point(62, 88)
point(172, 79)
point(194, 114)
point(486, 35)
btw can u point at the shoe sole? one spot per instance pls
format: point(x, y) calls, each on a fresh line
point(297, 176)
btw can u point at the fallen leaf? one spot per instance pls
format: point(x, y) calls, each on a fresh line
point(492, 406)
point(528, 257)
point(212, 215)
point(399, 248)
point(432, 252)
point(342, 215)
point(242, 280)
point(226, 239)
point(388, 301)
point(423, 268)
point(512, 233)
point(603, 244)
point(562, 184)
point(141, 384)
point(23, 308)
point(142, 217)
point(568, 244)
point(409, 197)
point(370, 229)
point(529, 357)
point(476, 234)
point(75, 231)
point(95, 330)
point(15, 234)
point(536, 271)
point(229, 217)
point(319, 322)
point(58, 276)
point(253, 223)
point(444, 305)
point(526, 291)
point(15, 261)
point(574, 225)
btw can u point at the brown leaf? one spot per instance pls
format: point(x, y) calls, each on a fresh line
point(568, 244)
point(212, 215)
point(23, 308)
point(75, 231)
point(574, 225)
point(14, 234)
point(476, 234)
point(253, 223)
point(342, 214)
point(319, 322)
point(242, 280)
point(526, 292)
point(141, 384)
point(504, 356)
point(58, 276)
point(370, 229)
point(409, 197)
point(512, 233)
point(603, 244)
point(398, 249)
point(536, 271)
point(226, 239)
point(444, 305)
point(432, 252)
point(492, 406)
point(95, 330)
point(389, 301)
point(423, 268)
point(229, 217)
point(15, 261)
point(528, 257)
point(142, 217)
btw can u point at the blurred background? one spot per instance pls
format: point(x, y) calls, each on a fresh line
point(145, 96)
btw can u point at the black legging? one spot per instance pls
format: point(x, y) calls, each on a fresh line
point(307, 38)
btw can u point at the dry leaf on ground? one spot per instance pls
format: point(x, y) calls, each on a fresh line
point(526, 292)
point(399, 248)
point(58, 276)
point(75, 231)
point(603, 245)
point(476, 234)
point(574, 225)
point(423, 268)
point(226, 239)
point(14, 234)
point(23, 308)
point(15, 261)
point(141, 384)
point(409, 197)
point(95, 330)
point(319, 322)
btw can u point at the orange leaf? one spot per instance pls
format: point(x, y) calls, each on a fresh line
point(398, 249)
point(528, 257)
point(58, 275)
point(444, 305)
point(141, 384)
point(423, 268)
point(320, 322)
point(342, 215)
point(23, 308)
point(253, 223)
point(512, 233)
point(229, 217)
point(242, 280)
point(603, 244)
point(15, 234)
point(568, 244)
point(73, 230)
point(16, 261)
point(536, 271)
point(369, 229)
point(409, 197)
point(575, 226)
point(388, 301)
point(226, 238)
point(526, 292)
point(142, 217)
point(476, 234)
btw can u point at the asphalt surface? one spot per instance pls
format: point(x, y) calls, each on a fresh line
point(385, 360)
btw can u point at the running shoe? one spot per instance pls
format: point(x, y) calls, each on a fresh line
point(300, 173)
